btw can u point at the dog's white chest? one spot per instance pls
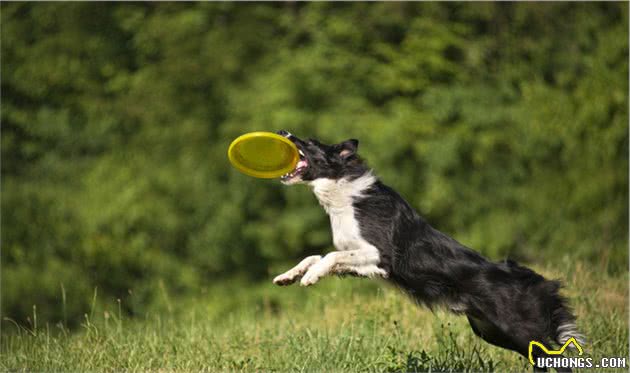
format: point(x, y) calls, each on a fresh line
point(345, 229)
point(336, 196)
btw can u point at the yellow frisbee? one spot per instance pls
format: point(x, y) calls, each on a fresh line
point(263, 154)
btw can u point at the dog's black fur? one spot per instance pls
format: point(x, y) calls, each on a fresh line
point(506, 304)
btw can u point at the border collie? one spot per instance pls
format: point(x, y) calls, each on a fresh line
point(378, 234)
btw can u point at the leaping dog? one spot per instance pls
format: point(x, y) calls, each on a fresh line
point(377, 234)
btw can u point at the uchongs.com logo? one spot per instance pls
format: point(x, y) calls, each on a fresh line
point(554, 359)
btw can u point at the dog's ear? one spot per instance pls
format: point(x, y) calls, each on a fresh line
point(348, 148)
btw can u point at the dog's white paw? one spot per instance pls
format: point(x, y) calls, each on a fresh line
point(317, 271)
point(314, 274)
point(309, 279)
point(285, 279)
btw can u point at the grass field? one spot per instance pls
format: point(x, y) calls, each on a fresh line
point(337, 325)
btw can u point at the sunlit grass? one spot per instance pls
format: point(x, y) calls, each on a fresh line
point(338, 325)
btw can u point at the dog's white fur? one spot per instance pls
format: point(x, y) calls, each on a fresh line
point(568, 330)
point(355, 255)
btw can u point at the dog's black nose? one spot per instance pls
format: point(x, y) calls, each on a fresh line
point(284, 133)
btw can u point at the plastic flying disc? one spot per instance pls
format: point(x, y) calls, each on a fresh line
point(263, 154)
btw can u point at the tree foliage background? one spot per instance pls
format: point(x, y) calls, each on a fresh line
point(504, 123)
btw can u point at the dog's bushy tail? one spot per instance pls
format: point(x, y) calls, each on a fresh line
point(563, 322)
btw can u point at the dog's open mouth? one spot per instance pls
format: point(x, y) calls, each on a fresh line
point(300, 168)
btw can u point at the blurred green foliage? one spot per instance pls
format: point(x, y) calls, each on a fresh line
point(504, 123)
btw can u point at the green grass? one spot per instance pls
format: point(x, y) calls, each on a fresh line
point(337, 325)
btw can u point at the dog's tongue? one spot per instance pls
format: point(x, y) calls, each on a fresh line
point(301, 163)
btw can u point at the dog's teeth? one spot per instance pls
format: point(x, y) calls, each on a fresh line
point(301, 153)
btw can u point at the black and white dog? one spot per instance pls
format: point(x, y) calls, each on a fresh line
point(378, 234)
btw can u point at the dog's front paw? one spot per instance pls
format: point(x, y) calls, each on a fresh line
point(309, 279)
point(317, 271)
point(285, 279)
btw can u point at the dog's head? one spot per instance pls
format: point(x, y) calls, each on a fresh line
point(321, 161)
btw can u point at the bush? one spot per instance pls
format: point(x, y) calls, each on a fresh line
point(505, 124)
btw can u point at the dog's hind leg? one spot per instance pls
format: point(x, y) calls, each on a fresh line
point(296, 272)
point(493, 334)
